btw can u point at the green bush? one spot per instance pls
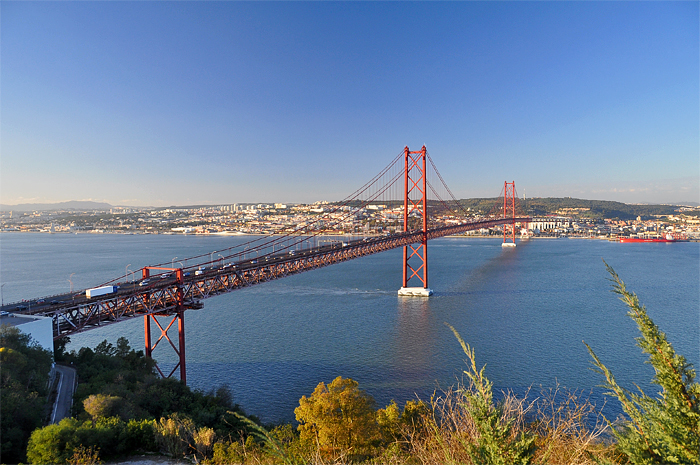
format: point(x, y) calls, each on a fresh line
point(117, 380)
point(665, 429)
point(23, 390)
point(52, 444)
point(496, 441)
point(111, 436)
point(226, 453)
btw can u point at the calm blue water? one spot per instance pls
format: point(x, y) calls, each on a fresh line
point(525, 311)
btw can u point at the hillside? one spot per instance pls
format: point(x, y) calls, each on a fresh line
point(582, 208)
point(80, 205)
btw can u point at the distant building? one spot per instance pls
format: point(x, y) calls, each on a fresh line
point(549, 223)
point(185, 230)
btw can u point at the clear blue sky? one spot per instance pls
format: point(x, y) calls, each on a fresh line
point(174, 103)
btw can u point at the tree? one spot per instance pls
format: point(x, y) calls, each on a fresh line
point(665, 429)
point(339, 418)
point(101, 406)
point(23, 390)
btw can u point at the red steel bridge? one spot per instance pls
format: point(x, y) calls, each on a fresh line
point(161, 296)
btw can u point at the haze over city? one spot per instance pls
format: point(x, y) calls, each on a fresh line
point(182, 103)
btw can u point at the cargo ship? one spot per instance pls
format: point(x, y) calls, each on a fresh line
point(666, 238)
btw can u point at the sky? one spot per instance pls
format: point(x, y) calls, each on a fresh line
point(182, 103)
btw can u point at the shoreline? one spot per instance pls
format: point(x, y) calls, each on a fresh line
point(239, 233)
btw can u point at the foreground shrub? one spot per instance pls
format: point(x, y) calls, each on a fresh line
point(111, 436)
point(569, 429)
point(226, 453)
point(465, 425)
point(116, 380)
point(339, 418)
point(665, 429)
point(85, 456)
point(498, 433)
point(174, 434)
point(23, 390)
point(101, 406)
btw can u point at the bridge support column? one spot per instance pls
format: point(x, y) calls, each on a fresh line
point(415, 258)
point(179, 316)
point(147, 330)
point(181, 329)
point(509, 210)
point(145, 274)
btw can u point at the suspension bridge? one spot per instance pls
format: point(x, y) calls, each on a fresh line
point(164, 292)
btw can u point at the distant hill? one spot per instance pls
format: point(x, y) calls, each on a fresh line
point(79, 205)
point(594, 209)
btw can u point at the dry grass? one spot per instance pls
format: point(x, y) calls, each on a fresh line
point(449, 429)
point(85, 456)
point(567, 427)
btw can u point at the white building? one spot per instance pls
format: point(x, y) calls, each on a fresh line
point(38, 327)
point(549, 223)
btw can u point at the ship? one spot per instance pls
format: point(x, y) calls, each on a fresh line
point(667, 238)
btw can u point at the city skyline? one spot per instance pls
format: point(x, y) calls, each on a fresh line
point(173, 103)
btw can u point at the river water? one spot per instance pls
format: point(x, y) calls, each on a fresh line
point(525, 311)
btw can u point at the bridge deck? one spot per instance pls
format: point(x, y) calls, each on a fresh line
point(73, 313)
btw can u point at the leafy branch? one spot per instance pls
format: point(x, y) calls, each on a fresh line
point(665, 429)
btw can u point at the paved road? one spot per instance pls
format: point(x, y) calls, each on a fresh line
point(64, 398)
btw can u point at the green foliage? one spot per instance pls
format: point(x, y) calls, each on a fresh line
point(339, 418)
point(101, 405)
point(174, 434)
point(338, 422)
point(281, 444)
point(388, 420)
point(48, 444)
point(597, 209)
point(203, 439)
point(177, 435)
point(226, 453)
point(85, 456)
point(116, 371)
point(59, 349)
point(117, 380)
point(121, 397)
point(385, 439)
point(665, 429)
point(400, 427)
point(111, 436)
point(496, 442)
point(163, 397)
point(23, 390)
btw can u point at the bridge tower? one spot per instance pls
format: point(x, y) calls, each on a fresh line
point(509, 211)
point(415, 204)
point(178, 315)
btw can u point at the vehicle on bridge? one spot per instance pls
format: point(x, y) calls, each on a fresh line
point(98, 291)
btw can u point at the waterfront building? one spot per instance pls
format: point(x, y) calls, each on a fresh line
point(38, 327)
point(549, 223)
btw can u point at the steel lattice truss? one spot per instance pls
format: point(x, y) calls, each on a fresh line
point(161, 299)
